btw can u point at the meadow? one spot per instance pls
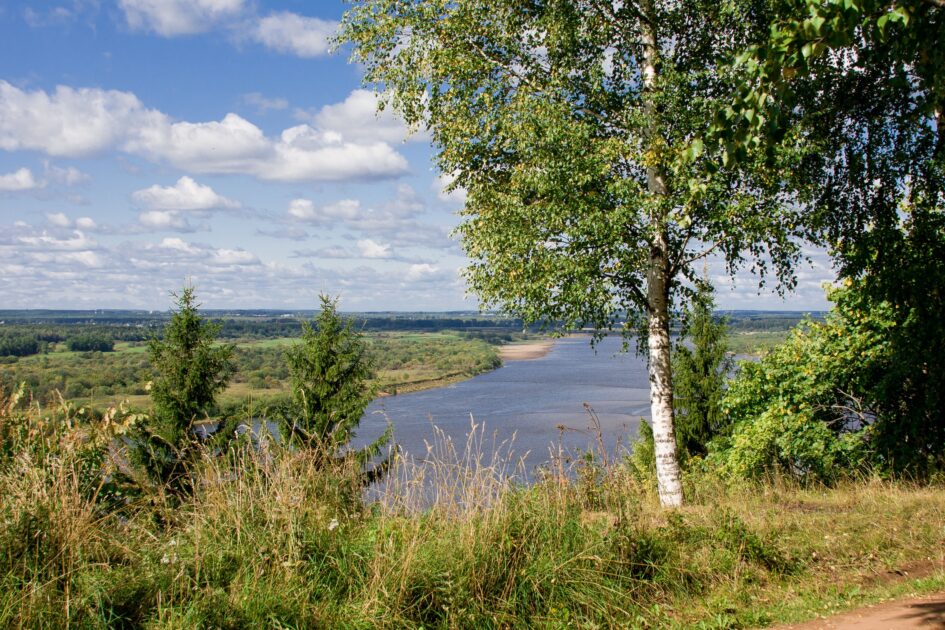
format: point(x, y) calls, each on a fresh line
point(273, 538)
point(405, 361)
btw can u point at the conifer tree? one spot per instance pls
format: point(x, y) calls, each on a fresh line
point(700, 373)
point(191, 369)
point(331, 372)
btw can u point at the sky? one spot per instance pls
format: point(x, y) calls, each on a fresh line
point(147, 144)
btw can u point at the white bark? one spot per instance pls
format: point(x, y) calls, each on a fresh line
point(668, 478)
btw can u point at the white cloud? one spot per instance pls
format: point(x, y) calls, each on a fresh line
point(372, 249)
point(186, 194)
point(85, 223)
point(171, 18)
point(347, 209)
point(233, 257)
point(165, 220)
point(420, 271)
point(59, 219)
point(20, 180)
point(178, 244)
point(443, 185)
point(294, 34)
point(302, 210)
point(78, 241)
point(68, 176)
point(68, 122)
point(357, 119)
point(78, 122)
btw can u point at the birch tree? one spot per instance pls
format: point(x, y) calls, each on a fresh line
point(576, 126)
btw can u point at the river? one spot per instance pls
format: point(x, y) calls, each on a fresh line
point(527, 403)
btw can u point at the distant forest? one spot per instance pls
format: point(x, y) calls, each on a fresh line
point(28, 332)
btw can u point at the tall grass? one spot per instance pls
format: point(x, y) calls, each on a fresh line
point(273, 538)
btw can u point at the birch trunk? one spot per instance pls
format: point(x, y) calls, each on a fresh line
point(657, 288)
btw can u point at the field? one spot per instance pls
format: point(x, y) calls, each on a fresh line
point(405, 362)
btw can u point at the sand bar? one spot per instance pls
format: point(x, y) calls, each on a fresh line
point(526, 351)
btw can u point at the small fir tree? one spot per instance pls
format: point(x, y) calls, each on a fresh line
point(700, 373)
point(191, 370)
point(331, 374)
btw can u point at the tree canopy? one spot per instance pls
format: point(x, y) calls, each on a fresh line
point(576, 128)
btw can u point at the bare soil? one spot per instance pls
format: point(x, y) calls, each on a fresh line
point(902, 614)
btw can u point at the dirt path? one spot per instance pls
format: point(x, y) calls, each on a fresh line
point(924, 613)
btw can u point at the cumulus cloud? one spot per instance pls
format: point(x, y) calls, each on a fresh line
point(178, 251)
point(294, 34)
point(332, 251)
point(398, 221)
point(357, 119)
point(19, 180)
point(186, 194)
point(71, 270)
point(371, 249)
point(165, 220)
point(421, 270)
point(172, 18)
point(68, 122)
point(74, 242)
point(78, 122)
point(68, 176)
point(304, 211)
point(59, 219)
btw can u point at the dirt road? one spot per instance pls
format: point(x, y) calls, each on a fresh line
point(925, 613)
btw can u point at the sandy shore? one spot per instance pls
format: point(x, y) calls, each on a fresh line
point(526, 351)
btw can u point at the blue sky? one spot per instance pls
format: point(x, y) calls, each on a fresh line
point(145, 143)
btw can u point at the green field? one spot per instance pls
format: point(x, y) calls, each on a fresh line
point(405, 362)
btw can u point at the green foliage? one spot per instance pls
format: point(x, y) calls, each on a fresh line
point(541, 114)
point(642, 460)
point(19, 345)
point(700, 374)
point(191, 370)
point(90, 342)
point(902, 303)
point(868, 385)
point(801, 409)
point(330, 371)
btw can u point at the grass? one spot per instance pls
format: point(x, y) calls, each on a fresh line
point(273, 539)
point(755, 343)
point(405, 362)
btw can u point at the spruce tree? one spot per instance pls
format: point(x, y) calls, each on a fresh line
point(191, 369)
point(331, 375)
point(700, 373)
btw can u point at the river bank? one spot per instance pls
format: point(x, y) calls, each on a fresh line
point(526, 351)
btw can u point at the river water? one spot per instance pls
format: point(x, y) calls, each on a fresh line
point(538, 404)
